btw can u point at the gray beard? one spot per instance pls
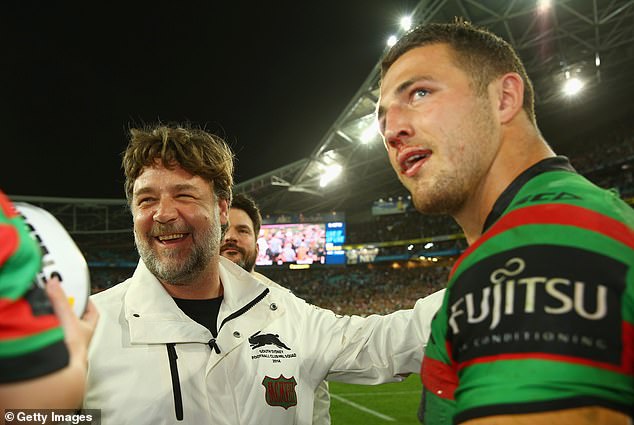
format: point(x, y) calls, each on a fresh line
point(181, 273)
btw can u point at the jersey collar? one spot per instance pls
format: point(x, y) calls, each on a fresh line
point(557, 163)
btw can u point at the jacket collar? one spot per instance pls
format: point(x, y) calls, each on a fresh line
point(154, 318)
point(238, 285)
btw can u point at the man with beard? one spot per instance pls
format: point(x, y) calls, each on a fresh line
point(240, 246)
point(193, 338)
point(242, 231)
point(537, 325)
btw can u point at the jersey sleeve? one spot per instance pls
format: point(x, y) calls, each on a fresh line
point(31, 338)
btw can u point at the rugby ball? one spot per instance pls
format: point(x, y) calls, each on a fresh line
point(60, 255)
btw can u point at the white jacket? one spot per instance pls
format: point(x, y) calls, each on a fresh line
point(321, 406)
point(149, 363)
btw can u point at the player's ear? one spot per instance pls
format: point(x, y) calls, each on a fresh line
point(509, 92)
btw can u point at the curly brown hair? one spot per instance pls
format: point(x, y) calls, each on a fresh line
point(195, 150)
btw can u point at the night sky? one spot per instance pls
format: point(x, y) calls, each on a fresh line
point(270, 77)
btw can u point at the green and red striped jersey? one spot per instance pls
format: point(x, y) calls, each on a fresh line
point(539, 311)
point(31, 339)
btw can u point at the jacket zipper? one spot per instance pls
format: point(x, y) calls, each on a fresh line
point(245, 308)
point(171, 354)
point(176, 384)
point(212, 342)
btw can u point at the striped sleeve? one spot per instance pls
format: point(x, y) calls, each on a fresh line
point(31, 338)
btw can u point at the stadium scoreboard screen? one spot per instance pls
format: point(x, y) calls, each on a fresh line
point(335, 238)
point(301, 243)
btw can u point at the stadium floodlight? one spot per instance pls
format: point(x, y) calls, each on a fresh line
point(543, 6)
point(429, 245)
point(406, 23)
point(410, 247)
point(330, 173)
point(572, 86)
point(391, 40)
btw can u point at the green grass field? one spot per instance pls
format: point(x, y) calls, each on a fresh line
point(375, 404)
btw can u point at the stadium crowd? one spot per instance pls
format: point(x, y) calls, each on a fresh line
point(362, 289)
point(610, 165)
point(616, 148)
point(396, 227)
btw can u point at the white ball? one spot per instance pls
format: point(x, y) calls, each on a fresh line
point(60, 255)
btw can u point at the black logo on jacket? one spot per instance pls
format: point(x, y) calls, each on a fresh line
point(257, 341)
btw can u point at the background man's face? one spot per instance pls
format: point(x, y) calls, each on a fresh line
point(240, 240)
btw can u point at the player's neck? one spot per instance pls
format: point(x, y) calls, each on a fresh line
point(518, 151)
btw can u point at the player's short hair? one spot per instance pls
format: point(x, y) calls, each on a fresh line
point(481, 54)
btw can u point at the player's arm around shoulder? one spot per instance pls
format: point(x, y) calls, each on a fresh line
point(378, 349)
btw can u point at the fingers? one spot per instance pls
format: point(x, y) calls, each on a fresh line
point(77, 332)
point(60, 303)
point(64, 311)
point(91, 315)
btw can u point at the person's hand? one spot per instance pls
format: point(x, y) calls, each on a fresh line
point(44, 392)
point(77, 332)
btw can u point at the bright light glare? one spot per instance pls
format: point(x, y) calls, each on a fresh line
point(406, 23)
point(331, 172)
point(597, 59)
point(543, 5)
point(429, 245)
point(410, 247)
point(572, 86)
point(370, 132)
point(392, 40)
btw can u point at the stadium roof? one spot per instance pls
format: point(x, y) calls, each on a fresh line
point(586, 38)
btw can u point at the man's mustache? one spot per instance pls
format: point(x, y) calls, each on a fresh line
point(165, 229)
point(232, 246)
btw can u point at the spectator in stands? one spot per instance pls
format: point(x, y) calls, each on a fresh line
point(275, 246)
point(240, 246)
point(456, 114)
point(43, 345)
point(288, 253)
point(193, 337)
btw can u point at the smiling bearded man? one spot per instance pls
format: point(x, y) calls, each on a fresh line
point(166, 263)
